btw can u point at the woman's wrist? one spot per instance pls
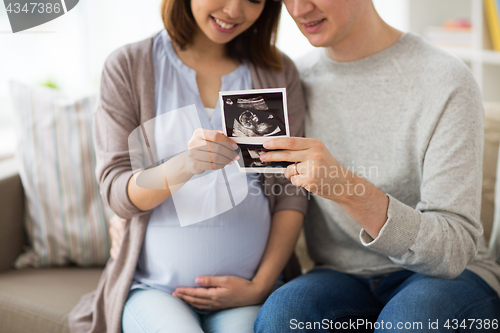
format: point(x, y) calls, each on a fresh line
point(263, 286)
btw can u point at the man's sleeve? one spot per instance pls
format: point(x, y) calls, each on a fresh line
point(439, 236)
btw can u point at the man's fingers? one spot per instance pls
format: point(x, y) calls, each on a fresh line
point(284, 156)
point(295, 169)
point(292, 143)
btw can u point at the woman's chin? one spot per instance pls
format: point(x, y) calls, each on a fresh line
point(218, 39)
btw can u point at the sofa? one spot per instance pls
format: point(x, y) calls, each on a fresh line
point(39, 300)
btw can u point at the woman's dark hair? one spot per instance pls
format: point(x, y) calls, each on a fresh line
point(257, 44)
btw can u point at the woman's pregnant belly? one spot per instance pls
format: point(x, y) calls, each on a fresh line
point(229, 244)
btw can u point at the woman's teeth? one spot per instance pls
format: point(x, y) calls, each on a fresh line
point(224, 25)
point(314, 23)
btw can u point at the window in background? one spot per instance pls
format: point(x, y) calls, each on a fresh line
point(290, 40)
point(48, 52)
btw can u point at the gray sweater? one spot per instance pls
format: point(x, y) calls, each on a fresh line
point(410, 120)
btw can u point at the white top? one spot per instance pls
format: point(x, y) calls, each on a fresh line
point(210, 112)
point(215, 224)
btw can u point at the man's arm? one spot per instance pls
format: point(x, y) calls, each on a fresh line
point(439, 236)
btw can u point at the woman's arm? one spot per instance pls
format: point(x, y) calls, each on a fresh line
point(207, 150)
point(222, 292)
point(285, 230)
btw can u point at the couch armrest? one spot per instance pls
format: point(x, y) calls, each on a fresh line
point(12, 237)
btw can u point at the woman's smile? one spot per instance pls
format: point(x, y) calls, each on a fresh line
point(224, 26)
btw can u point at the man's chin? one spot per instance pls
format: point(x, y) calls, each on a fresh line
point(316, 40)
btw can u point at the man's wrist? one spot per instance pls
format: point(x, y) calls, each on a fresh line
point(351, 191)
point(367, 206)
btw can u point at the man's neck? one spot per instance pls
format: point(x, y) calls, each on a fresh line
point(369, 36)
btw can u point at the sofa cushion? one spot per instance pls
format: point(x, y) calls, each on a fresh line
point(12, 238)
point(39, 300)
point(65, 220)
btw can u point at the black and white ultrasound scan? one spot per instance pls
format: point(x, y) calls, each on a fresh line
point(251, 117)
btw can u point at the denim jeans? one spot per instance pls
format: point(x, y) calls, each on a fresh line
point(325, 300)
point(152, 310)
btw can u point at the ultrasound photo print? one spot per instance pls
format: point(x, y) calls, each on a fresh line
point(259, 114)
point(251, 160)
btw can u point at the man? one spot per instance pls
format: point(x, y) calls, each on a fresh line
point(393, 155)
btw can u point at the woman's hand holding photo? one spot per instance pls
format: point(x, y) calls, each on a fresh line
point(210, 150)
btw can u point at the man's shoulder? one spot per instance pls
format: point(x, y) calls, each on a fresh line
point(430, 63)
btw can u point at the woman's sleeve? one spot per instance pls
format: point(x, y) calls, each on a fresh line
point(116, 117)
point(290, 197)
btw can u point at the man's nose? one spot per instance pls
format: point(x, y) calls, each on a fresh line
point(298, 8)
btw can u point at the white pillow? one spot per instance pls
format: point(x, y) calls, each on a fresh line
point(65, 218)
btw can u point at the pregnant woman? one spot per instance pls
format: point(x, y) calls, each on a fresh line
point(211, 274)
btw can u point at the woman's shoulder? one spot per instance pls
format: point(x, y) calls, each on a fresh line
point(281, 78)
point(289, 68)
point(133, 56)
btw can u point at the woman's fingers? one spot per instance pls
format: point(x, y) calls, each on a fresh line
point(224, 149)
point(210, 157)
point(202, 166)
point(113, 253)
point(210, 150)
point(116, 226)
point(199, 303)
point(201, 135)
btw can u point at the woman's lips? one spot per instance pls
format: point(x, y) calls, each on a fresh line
point(224, 27)
point(314, 26)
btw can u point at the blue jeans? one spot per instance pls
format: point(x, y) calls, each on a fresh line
point(152, 310)
point(325, 300)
